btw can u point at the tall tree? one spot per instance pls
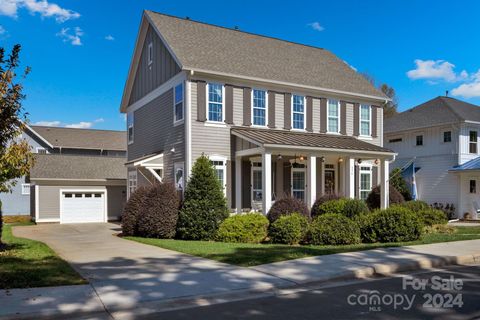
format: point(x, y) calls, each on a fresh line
point(390, 107)
point(15, 156)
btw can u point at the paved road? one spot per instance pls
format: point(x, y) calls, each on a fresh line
point(331, 302)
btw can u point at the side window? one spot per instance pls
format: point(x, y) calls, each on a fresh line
point(473, 186)
point(333, 124)
point(259, 105)
point(215, 102)
point(132, 182)
point(220, 166)
point(179, 178)
point(419, 140)
point(178, 103)
point(150, 53)
point(130, 132)
point(447, 136)
point(473, 142)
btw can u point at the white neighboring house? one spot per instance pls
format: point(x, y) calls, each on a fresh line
point(441, 137)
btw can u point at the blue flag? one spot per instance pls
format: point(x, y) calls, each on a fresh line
point(408, 175)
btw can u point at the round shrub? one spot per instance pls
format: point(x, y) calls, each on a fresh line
point(159, 219)
point(431, 217)
point(289, 229)
point(134, 208)
point(397, 224)
point(367, 230)
point(415, 205)
point(355, 207)
point(246, 228)
point(334, 229)
point(287, 206)
point(373, 199)
point(321, 200)
point(331, 206)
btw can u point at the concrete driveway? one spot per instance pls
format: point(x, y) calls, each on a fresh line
point(127, 274)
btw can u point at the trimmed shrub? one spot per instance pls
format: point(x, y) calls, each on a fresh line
point(354, 208)
point(246, 228)
point(373, 199)
point(332, 206)
point(430, 217)
point(367, 230)
point(440, 228)
point(159, 219)
point(287, 206)
point(333, 229)
point(321, 200)
point(204, 206)
point(397, 224)
point(448, 209)
point(415, 205)
point(290, 229)
point(134, 208)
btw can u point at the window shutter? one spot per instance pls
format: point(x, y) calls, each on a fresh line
point(288, 111)
point(323, 115)
point(343, 117)
point(374, 176)
point(246, 184)
point(374, 121)
point(271, 109)
point(247, 108)
point(229, 103)
point(201, 101)
point(287, 183)
point(356, 119)
point(309, 115)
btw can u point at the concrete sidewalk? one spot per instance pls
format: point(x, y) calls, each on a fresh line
point(129, 279)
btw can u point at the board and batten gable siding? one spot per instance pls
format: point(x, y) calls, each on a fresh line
point(155, 132)
point(464, 142)
point(150, 76)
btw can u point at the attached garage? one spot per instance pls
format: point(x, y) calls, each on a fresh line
point(82, 206)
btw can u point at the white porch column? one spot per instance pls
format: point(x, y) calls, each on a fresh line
point(312, 180)
point(322, 179)
point(238, 184)
point(349, 173)
point(384, 184)
point(266, 181)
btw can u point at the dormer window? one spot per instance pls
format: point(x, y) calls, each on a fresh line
point(333, 123)
point(298, 112)
point(150, 53)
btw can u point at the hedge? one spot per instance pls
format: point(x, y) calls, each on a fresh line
point(246, 228)
point(290, 229)
point(333, 229)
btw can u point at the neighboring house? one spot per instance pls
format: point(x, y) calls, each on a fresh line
point(441, 137)
point(78, 176)
point(274, 117)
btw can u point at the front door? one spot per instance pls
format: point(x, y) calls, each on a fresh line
point(329, 181)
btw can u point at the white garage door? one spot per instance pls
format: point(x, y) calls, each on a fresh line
point(78, 207)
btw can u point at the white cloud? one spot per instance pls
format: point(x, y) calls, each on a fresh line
point(316, 26)
point(78, 125)
point(48, 123)
point(74, 38)
point(471, 89)
point(43, 7)
point(434, 69)
point(109, 37)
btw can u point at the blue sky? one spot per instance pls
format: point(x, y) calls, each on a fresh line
point(80, 51)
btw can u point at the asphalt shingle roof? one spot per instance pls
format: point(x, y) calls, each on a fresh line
point(212, 48)
point(438, 111)
point(316, 140)
point(83, 138)
point(54, 166)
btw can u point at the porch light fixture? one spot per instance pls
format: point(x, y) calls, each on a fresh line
point(359, 161)
point(302, 158)
point(340, 160)
point(377, 161)
point(279, 157)
point(322, 159)
point(172, 150)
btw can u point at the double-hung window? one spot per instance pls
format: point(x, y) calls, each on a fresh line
point(298, 112)
point(333, 123)
point(259, 105)
point(220, 166)
point(473, 186)
point(473, 142)
point(178, 176)
point(132, 182)
point(257, 191)
point(447, 136)
point(26, 188)
point(130, 127)
point(419, 140)
point(365, 182)
point(215, 102)
point(178, 103)
point(365, 120)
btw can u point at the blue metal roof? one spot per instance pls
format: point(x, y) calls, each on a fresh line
point(473, 164)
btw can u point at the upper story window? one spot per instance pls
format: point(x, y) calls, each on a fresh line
point(130, 127)
point(178, 103)
point(419, 140)
point(473, 142)
point(41, 150)
point(447, 136)
point(365, 120)
point(215, 102)
point(25, 188)
point(259, 105)
point(150, 53)
point(333, 123)
point(298, 112)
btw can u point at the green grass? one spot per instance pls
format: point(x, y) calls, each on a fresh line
point(26, 263)
point(244, 254)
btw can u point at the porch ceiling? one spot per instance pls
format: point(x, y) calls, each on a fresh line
point(269, 138)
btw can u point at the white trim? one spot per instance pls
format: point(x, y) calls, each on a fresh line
point(255, 203)
point(104, 191)
point(155, 174)
point(141, 162)
point(26, 186)
point(46, 220)
point(252, 108)
point(131, 176)
point(207, 87)
point(222, 167)
point(304, 170)
point(360, 172)
point(37, 203)
point(37, 149)
point(345, 151)
point(338, 117)
point(369, 121)
point(249, 152)
point(188, 129)
point(38, 135)
point(304, 112)
point(175, 121)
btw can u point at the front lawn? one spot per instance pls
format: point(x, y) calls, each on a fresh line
point(26, 263)
point(244, 254)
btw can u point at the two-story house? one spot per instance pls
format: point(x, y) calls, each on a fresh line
point(274, 117)
point(78, 176)
point(441, 137)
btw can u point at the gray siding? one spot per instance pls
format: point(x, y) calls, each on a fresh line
point(149, 77)
point(117, 196)
point(154, 132)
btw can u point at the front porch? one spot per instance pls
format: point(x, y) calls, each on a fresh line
point(271, 164)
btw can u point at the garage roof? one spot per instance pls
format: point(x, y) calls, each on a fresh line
point(53, 166)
